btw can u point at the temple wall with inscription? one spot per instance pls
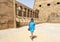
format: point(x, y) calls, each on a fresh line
point(7, 14)
point(49, 10)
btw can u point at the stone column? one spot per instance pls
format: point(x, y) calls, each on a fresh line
point(29, 14)
point(22, 13)
point(14, 13)
point(16, 9)
point(26, 13)
point(34, 14)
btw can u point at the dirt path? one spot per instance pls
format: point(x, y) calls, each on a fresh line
point(44, 33)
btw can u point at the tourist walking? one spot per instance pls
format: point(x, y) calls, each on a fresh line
point(31, 27)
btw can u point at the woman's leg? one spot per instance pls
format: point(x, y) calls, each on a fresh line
point(31, 34)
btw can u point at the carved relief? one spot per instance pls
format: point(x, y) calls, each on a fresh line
point(3, 19)
point(53, 16)
point(8, 3)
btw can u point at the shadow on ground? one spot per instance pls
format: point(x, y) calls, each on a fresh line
point(33, 37)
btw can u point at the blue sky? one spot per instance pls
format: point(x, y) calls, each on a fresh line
point(28, 3)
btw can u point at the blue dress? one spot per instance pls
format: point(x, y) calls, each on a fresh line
point(31, 26)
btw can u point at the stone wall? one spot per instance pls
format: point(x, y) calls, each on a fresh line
point(7, 14)
point(47, 8)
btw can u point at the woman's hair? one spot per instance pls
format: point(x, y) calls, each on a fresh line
point(32, 20)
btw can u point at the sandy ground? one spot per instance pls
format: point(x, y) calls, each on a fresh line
point(45, 32)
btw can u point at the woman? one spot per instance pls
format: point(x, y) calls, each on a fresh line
point(31, 27)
